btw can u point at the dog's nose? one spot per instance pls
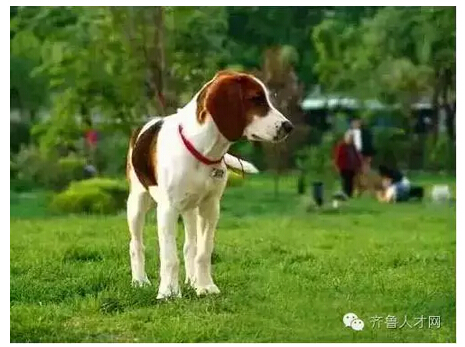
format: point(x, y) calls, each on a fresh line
point(287, 127)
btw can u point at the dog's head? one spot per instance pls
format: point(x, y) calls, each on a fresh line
point(240, 105)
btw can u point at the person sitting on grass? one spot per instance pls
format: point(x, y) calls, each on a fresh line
point(396, 186)
point(348, 162)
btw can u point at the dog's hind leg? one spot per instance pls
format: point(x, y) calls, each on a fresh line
point(190, 244)
point(137, 206)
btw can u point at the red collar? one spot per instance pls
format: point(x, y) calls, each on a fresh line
point(199, 156)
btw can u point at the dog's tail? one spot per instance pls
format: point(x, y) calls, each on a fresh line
point(240, 165)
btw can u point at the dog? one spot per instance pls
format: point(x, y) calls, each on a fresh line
point(370, 182)
point(180, 162)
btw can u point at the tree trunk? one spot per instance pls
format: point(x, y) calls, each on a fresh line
point(435, 120)
point(32, 115)
point(277, 171)
point(450, 111)
point(157, 63)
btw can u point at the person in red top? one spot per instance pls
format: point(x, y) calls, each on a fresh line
point(348, 162)
point(91, 137)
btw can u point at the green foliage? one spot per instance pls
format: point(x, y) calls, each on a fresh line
point(110, 57)
point(28, 91)
point(70, 168)
point(34, 168)
point(317, 161)
point(107, 184)
point(392, 55)
point(252, 30)
point(111, 153)
point(96, 195)
point(392, 147)
point(193, 30)
point(250, 152)
point(61, 130)
point(440, 154)
point(13, 170)
point(83, 201)
point(19, 135)
point(112, 61)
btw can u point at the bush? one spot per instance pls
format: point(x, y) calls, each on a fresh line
point(316, 163)
point(392, 147)
point(440, 154)
point(96, 195)
point(83, 201)
point(111, 154)
point(31, 168)
point(19, 135)
point(104, 195)
point(118, 189)
point(70, 169)
point(317, 160)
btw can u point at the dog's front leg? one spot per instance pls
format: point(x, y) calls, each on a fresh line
point(209, 212)
point(190, 244)
point(169, 262)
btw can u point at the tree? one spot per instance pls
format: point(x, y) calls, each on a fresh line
point(27, 93)
point(397, 55)
point(113, 61)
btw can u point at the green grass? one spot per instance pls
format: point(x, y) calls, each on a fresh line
point(286, 275)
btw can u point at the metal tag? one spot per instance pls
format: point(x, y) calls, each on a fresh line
point(218, 173)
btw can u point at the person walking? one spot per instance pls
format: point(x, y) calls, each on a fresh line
point(348, 162)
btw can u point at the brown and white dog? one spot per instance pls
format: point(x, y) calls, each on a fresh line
point(181, 161)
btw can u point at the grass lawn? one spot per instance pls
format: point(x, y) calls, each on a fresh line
point(286, 275)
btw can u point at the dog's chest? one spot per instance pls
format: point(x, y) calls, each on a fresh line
point(198, 185)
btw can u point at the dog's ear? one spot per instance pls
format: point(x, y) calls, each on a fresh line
point(224, 101)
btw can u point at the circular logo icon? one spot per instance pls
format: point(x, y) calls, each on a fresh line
point(357, 324)
point(348, 318)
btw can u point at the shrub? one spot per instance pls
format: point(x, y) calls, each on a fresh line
point(13, 170)
point(96, 195)
point(70, 169)
point(392, 147)
point(111, 153)
point(317, 160)
point(19, 135)
point(440, 153)
point(107, 184)
point(104, 195)
point(316, 164)
point(83, 201)
point(31, 168)
point(118, 189)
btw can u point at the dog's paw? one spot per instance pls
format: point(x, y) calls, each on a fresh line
point(208, 289)
point(168, 293)
point(190, 281)
point(141, 282)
